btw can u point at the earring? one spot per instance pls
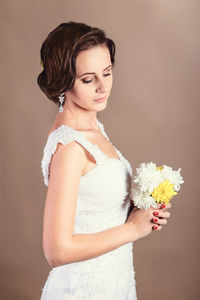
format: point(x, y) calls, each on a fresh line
point(61, 101)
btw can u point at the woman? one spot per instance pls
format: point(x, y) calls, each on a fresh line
point(89, 223)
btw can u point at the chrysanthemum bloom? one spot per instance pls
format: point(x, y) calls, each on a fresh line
point(164, 192)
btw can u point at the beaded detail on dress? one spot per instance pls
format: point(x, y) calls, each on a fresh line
point(103, 202)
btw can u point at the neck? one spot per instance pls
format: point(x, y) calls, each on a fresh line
point(77, 117)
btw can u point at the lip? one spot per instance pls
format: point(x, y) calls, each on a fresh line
point(100, 99)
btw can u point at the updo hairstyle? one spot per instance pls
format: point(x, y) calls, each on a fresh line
point(58, 55)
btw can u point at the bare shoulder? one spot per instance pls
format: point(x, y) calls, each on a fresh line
point(67, 160)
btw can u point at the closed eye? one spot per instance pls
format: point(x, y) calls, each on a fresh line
point(88, 81)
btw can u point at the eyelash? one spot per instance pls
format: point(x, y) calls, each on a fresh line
point(88, 81)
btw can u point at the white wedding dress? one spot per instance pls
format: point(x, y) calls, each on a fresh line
point(103, 202)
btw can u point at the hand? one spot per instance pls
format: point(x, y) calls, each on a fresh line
point(142, 220)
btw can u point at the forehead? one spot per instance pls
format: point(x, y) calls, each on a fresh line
point(90, 60)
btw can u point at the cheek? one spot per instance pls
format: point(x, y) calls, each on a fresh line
point(110, 83)
point(82, 91)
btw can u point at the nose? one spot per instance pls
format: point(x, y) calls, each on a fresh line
point(100, 87)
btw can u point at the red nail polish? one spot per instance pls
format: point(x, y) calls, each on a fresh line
point(155, 220)
point(163, 205)
point(156, 213)
point(155, 227)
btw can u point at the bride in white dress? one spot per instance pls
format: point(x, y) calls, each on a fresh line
point(89, 223)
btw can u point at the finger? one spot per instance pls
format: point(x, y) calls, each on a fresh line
point(161, 214)
point(159, 221)
point(164, 206)
point(154, 220)
point(156, 227)
point(162, 221)
point(169, 205)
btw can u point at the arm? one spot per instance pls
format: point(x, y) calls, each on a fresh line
point(60, 245)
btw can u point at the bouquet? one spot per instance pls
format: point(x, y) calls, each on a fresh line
point(154, 185)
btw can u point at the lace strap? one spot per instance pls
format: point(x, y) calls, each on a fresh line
point(121, 156)
point(103, 130)
point(65, 134)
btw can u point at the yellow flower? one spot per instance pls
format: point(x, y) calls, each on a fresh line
point(159, 168)
point(42, 65)
point(164, 192)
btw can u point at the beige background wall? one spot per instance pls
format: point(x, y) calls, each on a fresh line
point(152, 115)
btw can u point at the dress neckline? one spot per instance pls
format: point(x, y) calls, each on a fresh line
point(101, 127)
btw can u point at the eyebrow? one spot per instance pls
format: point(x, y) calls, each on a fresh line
point(93, 72)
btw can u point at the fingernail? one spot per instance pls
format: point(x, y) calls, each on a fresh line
point(155, 220)
point(156, 213)
point(163, 205)
point(155, 227)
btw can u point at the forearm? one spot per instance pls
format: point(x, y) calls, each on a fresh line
point(87, 246)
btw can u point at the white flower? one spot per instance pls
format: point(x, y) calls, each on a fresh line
point(173, 176)
point(142, 200)
point(148, 177)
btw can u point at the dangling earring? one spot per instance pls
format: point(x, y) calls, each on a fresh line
point(61, 101)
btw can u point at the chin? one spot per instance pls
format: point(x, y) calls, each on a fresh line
point(100, 106)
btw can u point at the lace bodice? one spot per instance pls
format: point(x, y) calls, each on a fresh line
point(103, 202)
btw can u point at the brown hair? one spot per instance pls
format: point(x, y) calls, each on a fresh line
point(58, 55)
